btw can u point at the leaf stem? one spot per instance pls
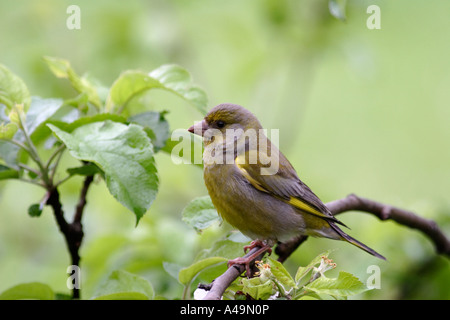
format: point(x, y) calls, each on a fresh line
point(34, 154)
point(17, 143)
point(59, 152)
point(32, 182)
point(53, 156)
point(24, 166)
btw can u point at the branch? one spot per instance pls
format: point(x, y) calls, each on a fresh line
point(351, 202)
point(82, 201)
point(383, 212)
point(73, 232)
point(221, 283)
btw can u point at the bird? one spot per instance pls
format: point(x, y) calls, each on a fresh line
point(255, 188)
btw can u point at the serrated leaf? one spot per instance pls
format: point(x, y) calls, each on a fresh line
point(156, 126)
point(88, 169)
point(344, 285)
point(125, 155)
point(40, 111)
point(188, 274)
point(167, 77)
point(179, 81)
point(122, 285)
point(13, 90)
point(61, 68)
point(32, 290)
point(69, 127)
point(70, 122)
point(303, 271)
point(222, 248)
point(200, 213)
point(256, 289)
point(281, 274)
point(129, 84)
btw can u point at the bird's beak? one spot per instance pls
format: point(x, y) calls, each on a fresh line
point(199, 128)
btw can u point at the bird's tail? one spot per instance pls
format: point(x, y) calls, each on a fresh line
point(355, 242)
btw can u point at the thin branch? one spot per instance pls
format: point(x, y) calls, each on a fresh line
point(54, 201)
point(50, 159)
point(36, 183)
point(82, 201)
point(351, 202)
point(24, 166)
point(73, 232)
point(221, 283)
point(383, 212)
point(59, 154)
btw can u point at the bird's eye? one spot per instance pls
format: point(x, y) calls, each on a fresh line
point(220, 124)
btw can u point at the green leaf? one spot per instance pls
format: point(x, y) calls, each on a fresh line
point(126, 87)
point(303, 271)
point(344, 285)
point(257, 289)
point(129, 295)
point(122, 285)
point(200, 213)
point(188, 274)
point(337, 9)
point(8, 173)
point(9, 153)
point(35, 210)
point(62, 69)
point(88, 169)
point(281, 274)
point(178, 80)
point(156, 126)
point(125, 155)
point(172, 269)
point(43, 131)
point(40, 111)
point(32, 290)
point(167, 77)
point(13, 90)
point(222, 248)
point(8, 130)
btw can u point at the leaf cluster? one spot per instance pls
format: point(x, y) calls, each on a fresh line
point(95, 127)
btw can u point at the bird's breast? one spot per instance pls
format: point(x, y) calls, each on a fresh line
point(256, 214)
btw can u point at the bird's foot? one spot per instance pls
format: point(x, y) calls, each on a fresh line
point(258, 243)
point(247, 260)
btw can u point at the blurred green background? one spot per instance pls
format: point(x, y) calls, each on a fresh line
point(360, 111)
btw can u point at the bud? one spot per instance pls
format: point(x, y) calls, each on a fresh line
point(7, 131)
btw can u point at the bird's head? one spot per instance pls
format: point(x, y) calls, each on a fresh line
point(223, 118)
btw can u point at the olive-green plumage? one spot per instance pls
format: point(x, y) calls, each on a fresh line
point(271, 207)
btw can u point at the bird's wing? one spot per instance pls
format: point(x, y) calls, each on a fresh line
point(284, 184)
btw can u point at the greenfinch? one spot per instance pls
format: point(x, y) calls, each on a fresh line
point(255, 188)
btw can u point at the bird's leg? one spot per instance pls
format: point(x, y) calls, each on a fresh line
point(248, 259)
